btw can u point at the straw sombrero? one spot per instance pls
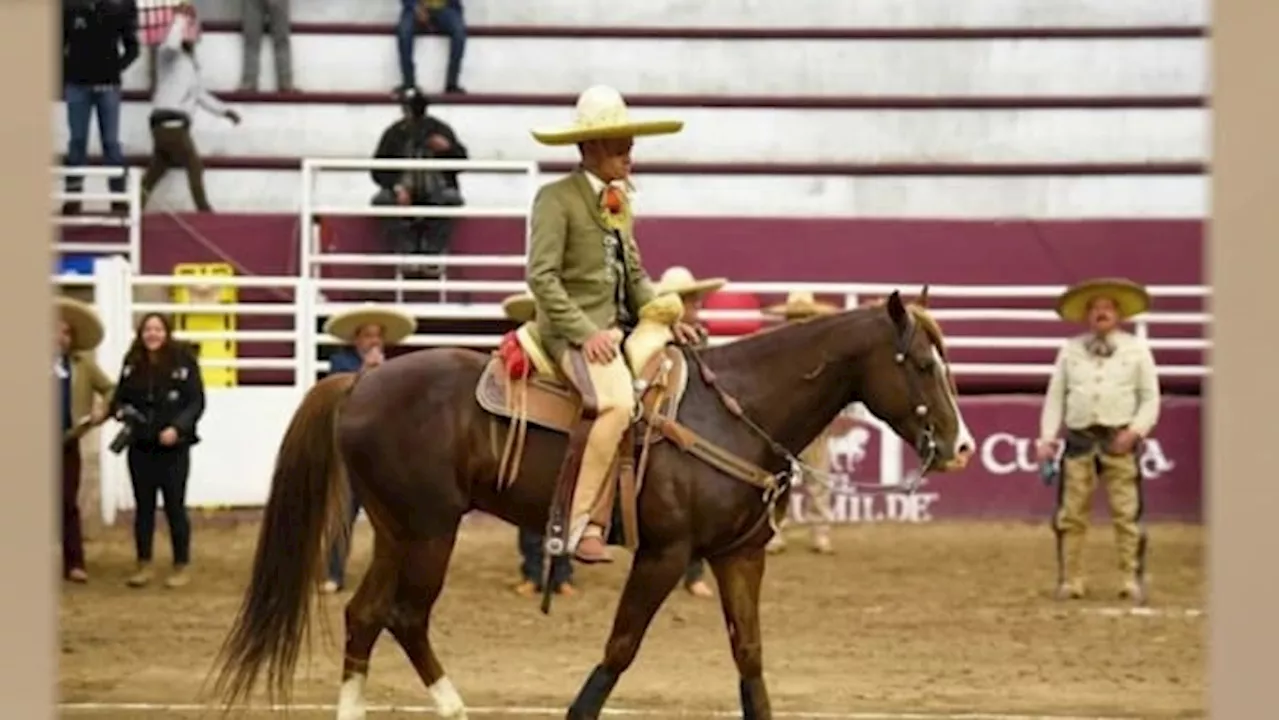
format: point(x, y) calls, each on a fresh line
point(1130, 298)
point(677, 279)
point(602, 113)
point(800, 304)
point(520, 308)
point(86, 327)
point(396, 325)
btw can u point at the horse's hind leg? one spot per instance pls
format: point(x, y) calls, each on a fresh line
point(366, 615)
point(739, 577)
point(654, 573)
point(421, 580)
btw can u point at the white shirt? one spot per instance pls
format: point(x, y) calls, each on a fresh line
point(1122, 390)
point(178, 85)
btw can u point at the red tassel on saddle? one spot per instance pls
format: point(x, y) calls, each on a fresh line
point(513, 357)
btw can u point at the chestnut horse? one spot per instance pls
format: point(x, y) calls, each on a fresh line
point(417, 448)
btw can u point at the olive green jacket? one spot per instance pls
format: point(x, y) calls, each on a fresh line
point(567, 271)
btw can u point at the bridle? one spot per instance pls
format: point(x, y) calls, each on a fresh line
point(926, 444)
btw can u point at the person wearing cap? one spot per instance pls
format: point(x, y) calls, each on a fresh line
point(585, 273)
point(417, 135)
point(77, 332)
point(1105, 390)
point(798, 307)
point(366, 331)
point(681, 282)
point(522, 309)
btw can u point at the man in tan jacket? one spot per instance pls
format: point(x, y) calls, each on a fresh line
point(1105, 390)
point(77, 333)
point(585, 273)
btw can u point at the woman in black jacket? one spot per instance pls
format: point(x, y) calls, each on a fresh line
point(160, 398)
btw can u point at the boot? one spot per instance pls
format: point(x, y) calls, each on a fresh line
point(821, 540)
point(142, 577)
point(1072, 585)
point(1135, 590)
point(776, 544)
point(591, 548)
point(78, 575)
point(179, 577)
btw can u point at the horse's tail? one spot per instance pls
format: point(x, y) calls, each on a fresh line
point(306, 499)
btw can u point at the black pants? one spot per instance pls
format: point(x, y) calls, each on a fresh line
point(161, 471)
point(414, 235)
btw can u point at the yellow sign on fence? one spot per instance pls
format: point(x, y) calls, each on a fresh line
point(212, 293)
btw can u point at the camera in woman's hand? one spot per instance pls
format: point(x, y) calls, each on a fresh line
point(130, 417)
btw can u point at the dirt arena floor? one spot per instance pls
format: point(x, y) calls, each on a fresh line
point(906, 621)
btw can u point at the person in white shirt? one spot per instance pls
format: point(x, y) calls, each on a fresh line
point(1106, 392)
point(178, 92)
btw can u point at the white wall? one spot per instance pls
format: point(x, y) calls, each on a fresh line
point(367, 63)
point(767, 13)
point(715, 134)
point(763, 196)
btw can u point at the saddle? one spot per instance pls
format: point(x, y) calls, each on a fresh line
point(522, 385)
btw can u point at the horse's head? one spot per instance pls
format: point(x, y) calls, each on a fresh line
point(907, 383)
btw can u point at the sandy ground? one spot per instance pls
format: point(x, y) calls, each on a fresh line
point(943, 618)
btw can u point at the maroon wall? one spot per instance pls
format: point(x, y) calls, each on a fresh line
point(908, 251)
point(1002, 481)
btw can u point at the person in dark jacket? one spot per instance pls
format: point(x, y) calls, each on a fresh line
point(418, 135)
point(367, 331)
point(99, 41)
point(160, 398)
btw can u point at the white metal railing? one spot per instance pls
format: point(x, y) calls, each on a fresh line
point(131, 221)
point(312, 256)
point(115, 282)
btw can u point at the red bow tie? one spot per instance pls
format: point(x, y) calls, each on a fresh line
point(611, 199)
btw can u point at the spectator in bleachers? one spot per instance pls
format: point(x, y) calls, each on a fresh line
point(1105, 390)
point(366, 331)
point(160, 398)
point(78, 332)
point(442, 16)
point(99, 41)
point(418, 135)
point(178, 92)
point(253, 15)
point(799, 307)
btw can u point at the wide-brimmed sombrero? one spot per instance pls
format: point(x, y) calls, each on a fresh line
point(800, 304)
point(396, 324)
point(679, 280)
point(521, 308)
point(86, 327)
point(602, 113)
point(1130, 298)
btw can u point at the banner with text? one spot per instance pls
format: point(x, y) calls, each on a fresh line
point(1002, 481)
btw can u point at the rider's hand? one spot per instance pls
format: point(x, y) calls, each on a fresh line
point(686, 334)
point(1045, 450)
point(373, 358)
point(1123, 442)
point(601, 348)
point(402, 195)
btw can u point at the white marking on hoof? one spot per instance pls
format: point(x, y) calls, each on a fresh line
point(448, 702)
point(351, 698)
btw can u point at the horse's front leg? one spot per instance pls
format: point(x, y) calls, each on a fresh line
point(654, 573)
point(739, 576)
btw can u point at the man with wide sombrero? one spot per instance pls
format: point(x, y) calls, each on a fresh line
point(77, 332)
point(801, 306)
point(1105, 390)
point(366, 331)
point(585, 273)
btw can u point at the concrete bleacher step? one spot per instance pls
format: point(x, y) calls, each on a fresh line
point(765, 13)
point(753, 196)
point(365, 63)
point(714, 135)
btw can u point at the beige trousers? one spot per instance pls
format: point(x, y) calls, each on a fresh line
point(1123, 483)
point(609, 388)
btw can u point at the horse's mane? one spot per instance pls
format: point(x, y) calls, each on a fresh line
point(926, 322)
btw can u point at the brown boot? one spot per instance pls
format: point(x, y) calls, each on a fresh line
point(591, 550)
point(1070, 590)
point(142, 577)
point(526, 588)
point(700, 589)
point(1134, 590)
point(179, 577)
point(566, 590)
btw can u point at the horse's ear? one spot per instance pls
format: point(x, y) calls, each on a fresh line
point(897, 311)
point(923, 300)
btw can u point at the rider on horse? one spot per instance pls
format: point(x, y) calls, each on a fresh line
point(585, 272)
